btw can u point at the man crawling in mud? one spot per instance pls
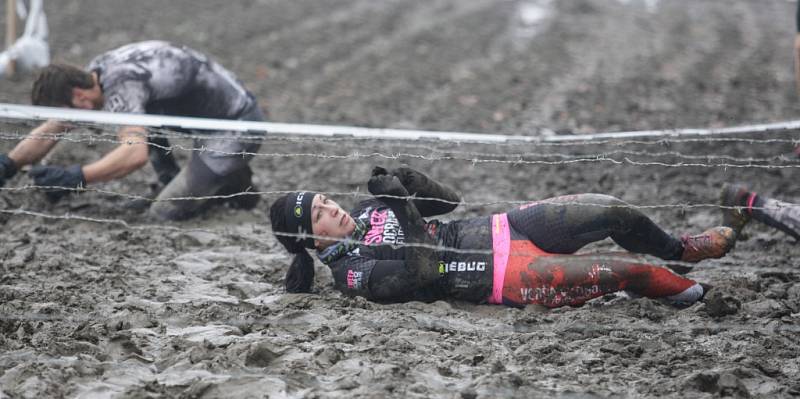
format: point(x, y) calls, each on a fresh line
point(385, 251)
point(152, 77)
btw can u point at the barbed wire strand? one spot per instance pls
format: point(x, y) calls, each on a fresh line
point(253, 228)
point(473, 161)
point(518, 156)
point(357, 194)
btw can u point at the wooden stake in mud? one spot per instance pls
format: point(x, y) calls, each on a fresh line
point(11, 31)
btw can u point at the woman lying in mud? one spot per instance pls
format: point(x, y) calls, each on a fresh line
point(385, 251)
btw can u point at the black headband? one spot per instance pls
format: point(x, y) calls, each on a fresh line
point(298, 215)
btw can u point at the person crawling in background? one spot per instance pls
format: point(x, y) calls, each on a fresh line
point(152, 77)
point(740, 205)
point(385, 251)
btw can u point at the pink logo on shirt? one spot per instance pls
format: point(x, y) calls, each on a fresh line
point(384, 228)
point(354, 279)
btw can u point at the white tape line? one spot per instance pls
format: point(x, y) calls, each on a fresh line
point(28, 112)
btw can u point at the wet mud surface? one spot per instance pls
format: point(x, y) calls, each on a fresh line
point(126, 306)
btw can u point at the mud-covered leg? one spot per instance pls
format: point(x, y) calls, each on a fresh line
point(565, 224)
point(783, 216)
point(572, 280)
point(240, 184)
point(195, 180)
point(228, 154)
point(162, 159)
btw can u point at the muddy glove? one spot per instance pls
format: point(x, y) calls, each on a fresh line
point(57, 176)
point(7, 169)
point(420, 185)
point(379, 185)
point(379, 171)
point(420, 260)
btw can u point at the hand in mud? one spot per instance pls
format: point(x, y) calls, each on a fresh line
point(386, 185)
point(7, 169)
point(57, 176)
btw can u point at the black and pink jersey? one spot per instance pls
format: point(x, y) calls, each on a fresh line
point(157, 77)
point(501, 264)
point(378, 258)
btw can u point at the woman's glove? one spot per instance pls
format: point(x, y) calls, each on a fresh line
point(440, 198)
point(379, 185)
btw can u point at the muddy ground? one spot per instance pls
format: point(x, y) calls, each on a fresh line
point(126, 306)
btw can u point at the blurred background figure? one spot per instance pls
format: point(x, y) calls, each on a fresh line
point(31, 50)
point(740, 205)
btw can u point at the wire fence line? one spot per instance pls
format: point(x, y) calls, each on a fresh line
point(472, 157)
point(519, 159)
point(299, 236)
point(150, 227)
point(366, 195)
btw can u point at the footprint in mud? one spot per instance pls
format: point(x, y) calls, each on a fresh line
point(328, 356)
point(719, 304)
point(126, 319)
point(122, 347)
point(262, 355)
point(725, 384)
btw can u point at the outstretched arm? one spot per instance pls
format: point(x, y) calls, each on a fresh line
point(129, 156)
point(38, 143)
point(30, 150)
point(440, 199)
point(124, 159)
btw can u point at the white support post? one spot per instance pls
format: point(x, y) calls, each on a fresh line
point(11, 32)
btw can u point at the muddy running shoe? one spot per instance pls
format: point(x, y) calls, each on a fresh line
point(688, 297)
point(712, 243)
point(734, 195)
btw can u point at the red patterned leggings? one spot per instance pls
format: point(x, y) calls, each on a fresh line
point(553, 280)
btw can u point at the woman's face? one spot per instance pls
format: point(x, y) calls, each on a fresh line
point(330, 220)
